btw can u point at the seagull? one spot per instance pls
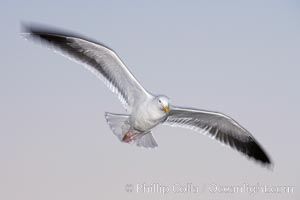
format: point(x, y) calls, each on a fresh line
point(144, 110)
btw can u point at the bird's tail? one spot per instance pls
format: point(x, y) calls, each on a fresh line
point(118, 124)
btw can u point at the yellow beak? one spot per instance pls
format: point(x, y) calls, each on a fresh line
point(166, 109)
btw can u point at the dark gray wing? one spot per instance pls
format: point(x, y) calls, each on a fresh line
point(96, 57)
point(220, 127)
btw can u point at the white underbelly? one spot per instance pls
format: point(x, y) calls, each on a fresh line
point(144, 121)
point(143, 124)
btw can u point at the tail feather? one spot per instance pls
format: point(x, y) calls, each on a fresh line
point(147, 140)
point(117, 123)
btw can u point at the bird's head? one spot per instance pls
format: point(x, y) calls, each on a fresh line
point(163, 103)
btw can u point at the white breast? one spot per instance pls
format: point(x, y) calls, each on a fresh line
point(146, 116)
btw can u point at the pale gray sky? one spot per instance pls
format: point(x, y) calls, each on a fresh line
point(241, 58)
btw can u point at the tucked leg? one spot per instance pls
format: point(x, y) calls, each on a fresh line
point(128, 136)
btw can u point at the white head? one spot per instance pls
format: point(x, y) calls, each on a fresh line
point(162, 102)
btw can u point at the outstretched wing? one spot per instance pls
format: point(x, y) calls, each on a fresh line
point(96, 57)
point(220, 127)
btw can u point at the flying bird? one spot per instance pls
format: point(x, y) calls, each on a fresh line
point(145, 110)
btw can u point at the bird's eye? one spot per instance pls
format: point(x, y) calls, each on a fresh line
point(159, 101)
